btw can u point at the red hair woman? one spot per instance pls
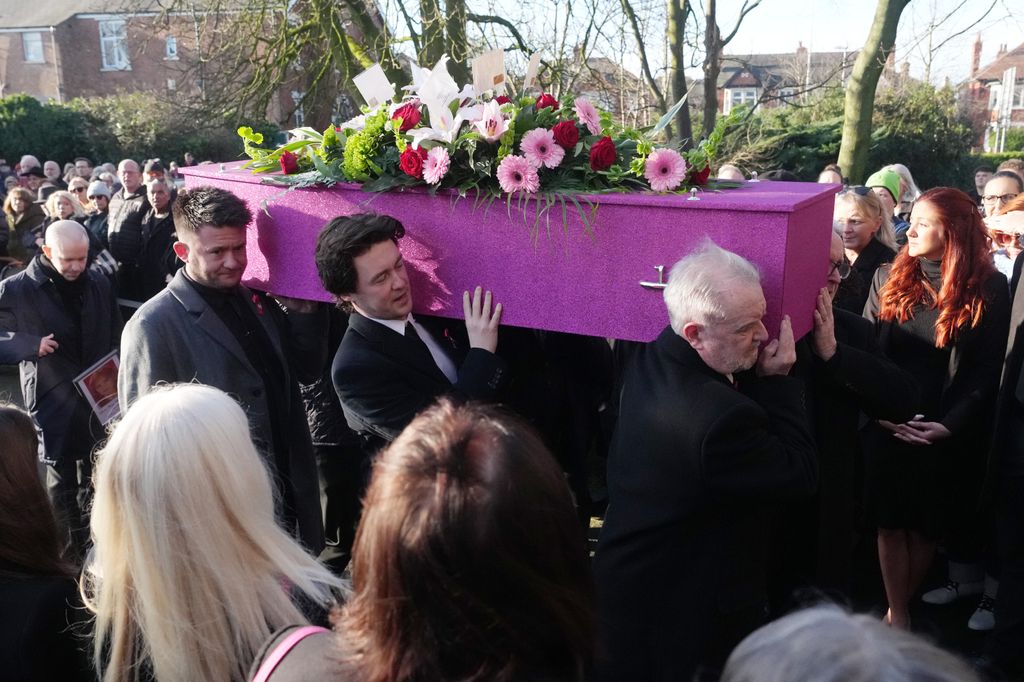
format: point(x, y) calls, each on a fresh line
point(942, 313)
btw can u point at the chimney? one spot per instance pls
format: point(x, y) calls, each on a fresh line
point(1002, 51)
point(976, 57)
point(905, 71)
point(801, 51)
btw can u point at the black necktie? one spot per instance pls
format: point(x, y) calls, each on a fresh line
point(416, 341)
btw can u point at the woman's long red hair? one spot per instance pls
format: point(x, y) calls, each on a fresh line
point(966, 265)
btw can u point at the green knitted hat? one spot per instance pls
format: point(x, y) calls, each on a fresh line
point(887, 179)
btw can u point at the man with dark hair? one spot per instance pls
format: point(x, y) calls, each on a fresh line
point(83, 167)
point(58, 318)
point(207, 327)
point(390, 365)
point(981, 175)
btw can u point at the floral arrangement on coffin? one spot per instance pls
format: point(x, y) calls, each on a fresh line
point(441, 137)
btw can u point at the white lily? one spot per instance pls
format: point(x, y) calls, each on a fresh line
point(437, 92)
point(492, 123)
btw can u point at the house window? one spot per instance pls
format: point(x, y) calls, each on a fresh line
point(171, 48)
point(33, 46)
point(172, 84)
point(114, 46)
point(738, 96)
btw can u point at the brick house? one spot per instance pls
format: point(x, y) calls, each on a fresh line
point(769, 80)
point(62, 49)
point(982, 92)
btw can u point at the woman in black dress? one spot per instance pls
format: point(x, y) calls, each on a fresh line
point(942, 313)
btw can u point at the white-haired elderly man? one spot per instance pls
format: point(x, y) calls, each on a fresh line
point(57, 318)
point(696, 459)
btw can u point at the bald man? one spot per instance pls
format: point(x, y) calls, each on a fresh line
point(128, 207)
point(58, 318)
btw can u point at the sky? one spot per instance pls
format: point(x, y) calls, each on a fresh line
point(776, 26)
point(831, 25)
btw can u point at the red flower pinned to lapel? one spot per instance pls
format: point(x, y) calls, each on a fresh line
point(258, 303)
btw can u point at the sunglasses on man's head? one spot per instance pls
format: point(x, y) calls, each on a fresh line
point(859, 190)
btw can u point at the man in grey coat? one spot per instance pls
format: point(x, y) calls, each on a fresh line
point(57, 319)
point(207, 327)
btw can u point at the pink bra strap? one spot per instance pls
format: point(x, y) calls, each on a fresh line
point(281, 650)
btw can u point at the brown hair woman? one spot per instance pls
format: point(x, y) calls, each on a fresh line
point(941, 313)
point(38, 593)
point(468, 564)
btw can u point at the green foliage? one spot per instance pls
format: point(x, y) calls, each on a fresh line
point(135, 125)
point(921, 128)
point(1014, 141)
point(48, 131)
point(918, 126)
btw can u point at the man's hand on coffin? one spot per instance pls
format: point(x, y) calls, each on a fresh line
point(779, 355)
point(481, 322)
point(824, 338)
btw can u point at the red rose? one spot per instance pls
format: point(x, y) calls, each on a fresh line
point(547, 100)
point(566, 134)
point(412, 160)
point(502, 99)
point(410, 115)
point(701, 177)
point(289, 163)
point(602, 154)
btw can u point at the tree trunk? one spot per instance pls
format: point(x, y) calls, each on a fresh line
point(860, 92)
point(432, 33)
point(677, 11)
point(458, 47)
point(712, 65)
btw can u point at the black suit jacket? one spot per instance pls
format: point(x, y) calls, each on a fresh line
point(693, 463)
point(383, 380)
point(30, 308)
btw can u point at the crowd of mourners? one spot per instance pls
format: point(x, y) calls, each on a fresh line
point(279, 489)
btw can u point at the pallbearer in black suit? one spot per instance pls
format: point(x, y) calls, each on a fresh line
point(390, 365)
point(694, 463)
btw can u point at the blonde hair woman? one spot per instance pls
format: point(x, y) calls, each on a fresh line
point(191, 573)
point(62, 205)
point(866, 229)
point(79, 188)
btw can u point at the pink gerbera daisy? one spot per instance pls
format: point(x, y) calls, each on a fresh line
point(540, 148)
point(516, 174)
point(665, 169)
point(436, 165)
point(588, 115)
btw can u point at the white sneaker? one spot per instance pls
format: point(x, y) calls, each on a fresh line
point(952, 591)
point(984, 618)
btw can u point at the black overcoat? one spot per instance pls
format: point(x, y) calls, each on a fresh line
point(31, 308)
point(694, 466)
